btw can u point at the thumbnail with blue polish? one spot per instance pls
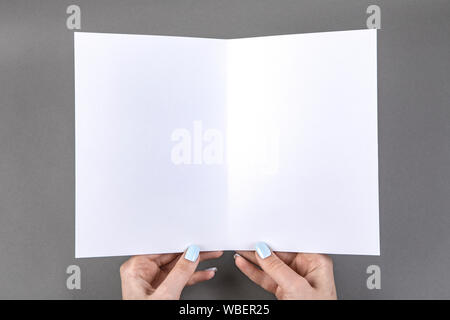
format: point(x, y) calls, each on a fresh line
point(263, 250)
point(192, 253)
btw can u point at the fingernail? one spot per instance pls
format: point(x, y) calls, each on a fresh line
point(263, 250)
point(211, 269)
point(192, 253)
point(236, 255)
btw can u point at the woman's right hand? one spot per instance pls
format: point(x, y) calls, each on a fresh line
point(289, 275)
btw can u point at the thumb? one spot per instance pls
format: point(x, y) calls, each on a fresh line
point(280, 272)
point(178, 277)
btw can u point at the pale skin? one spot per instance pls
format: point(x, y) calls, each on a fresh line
point(162, 276)
point(289, 275)
point(299, 276)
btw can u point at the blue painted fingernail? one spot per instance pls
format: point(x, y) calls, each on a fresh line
point(263, 250)
point(212, 269)
point(192, 253)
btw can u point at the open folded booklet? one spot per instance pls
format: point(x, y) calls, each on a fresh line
point(225, 143)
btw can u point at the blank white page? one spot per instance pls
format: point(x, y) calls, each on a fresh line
point(131, 93)
point(298, 115)
point(302, 142)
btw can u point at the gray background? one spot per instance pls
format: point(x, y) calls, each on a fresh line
point(37, 138)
